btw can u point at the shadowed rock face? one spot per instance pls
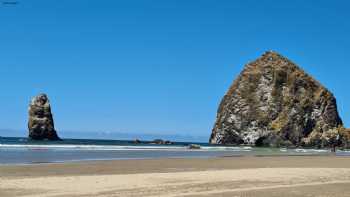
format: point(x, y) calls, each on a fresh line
point(41, 125)
point(273, 102)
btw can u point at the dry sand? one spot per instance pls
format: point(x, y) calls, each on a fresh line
point(238, 176)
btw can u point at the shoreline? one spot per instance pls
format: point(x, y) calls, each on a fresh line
point(291, 176)
point(162, 164)
point(161, 158)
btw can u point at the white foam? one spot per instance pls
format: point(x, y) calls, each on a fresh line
point(226, 148)
point(87, 147)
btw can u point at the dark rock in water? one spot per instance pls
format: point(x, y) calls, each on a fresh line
point(167, 142)
point(273, 102)
point(137, 141)
point(194, 146)
point(41, 125)
point(157, 141)
point(161, 142)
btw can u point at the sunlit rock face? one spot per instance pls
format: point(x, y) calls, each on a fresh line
point(273, 102)
point(41, 125)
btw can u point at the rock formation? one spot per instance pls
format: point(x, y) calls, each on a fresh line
point(273, 102)
point(161, 142)
point(41, 125)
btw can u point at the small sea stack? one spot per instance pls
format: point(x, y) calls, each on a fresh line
point(41, 124)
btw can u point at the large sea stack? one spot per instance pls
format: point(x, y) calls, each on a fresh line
point(273, 102)
point(41, 125)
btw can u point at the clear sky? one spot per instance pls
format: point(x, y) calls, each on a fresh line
point(158, 66)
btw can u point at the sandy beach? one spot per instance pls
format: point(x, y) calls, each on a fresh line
point(231, 176)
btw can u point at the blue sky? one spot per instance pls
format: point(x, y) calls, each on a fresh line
point(157, 66)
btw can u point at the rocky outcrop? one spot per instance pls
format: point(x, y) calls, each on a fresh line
point(161, 142)
point(194, 146)
point(273, 102)
point(41, 125)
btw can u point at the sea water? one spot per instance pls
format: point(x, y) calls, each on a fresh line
point(24, 151)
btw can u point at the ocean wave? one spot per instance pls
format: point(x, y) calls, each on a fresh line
point(120, 147)
point(237, 149)
point(230, 148)
point(85, 147)
point(117, 147)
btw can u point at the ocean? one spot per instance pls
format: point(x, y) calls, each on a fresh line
point(14, 150)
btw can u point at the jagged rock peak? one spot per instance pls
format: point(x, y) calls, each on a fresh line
point(274, 102)
point(41, 124)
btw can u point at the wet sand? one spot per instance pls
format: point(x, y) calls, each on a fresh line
point(231, 176)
